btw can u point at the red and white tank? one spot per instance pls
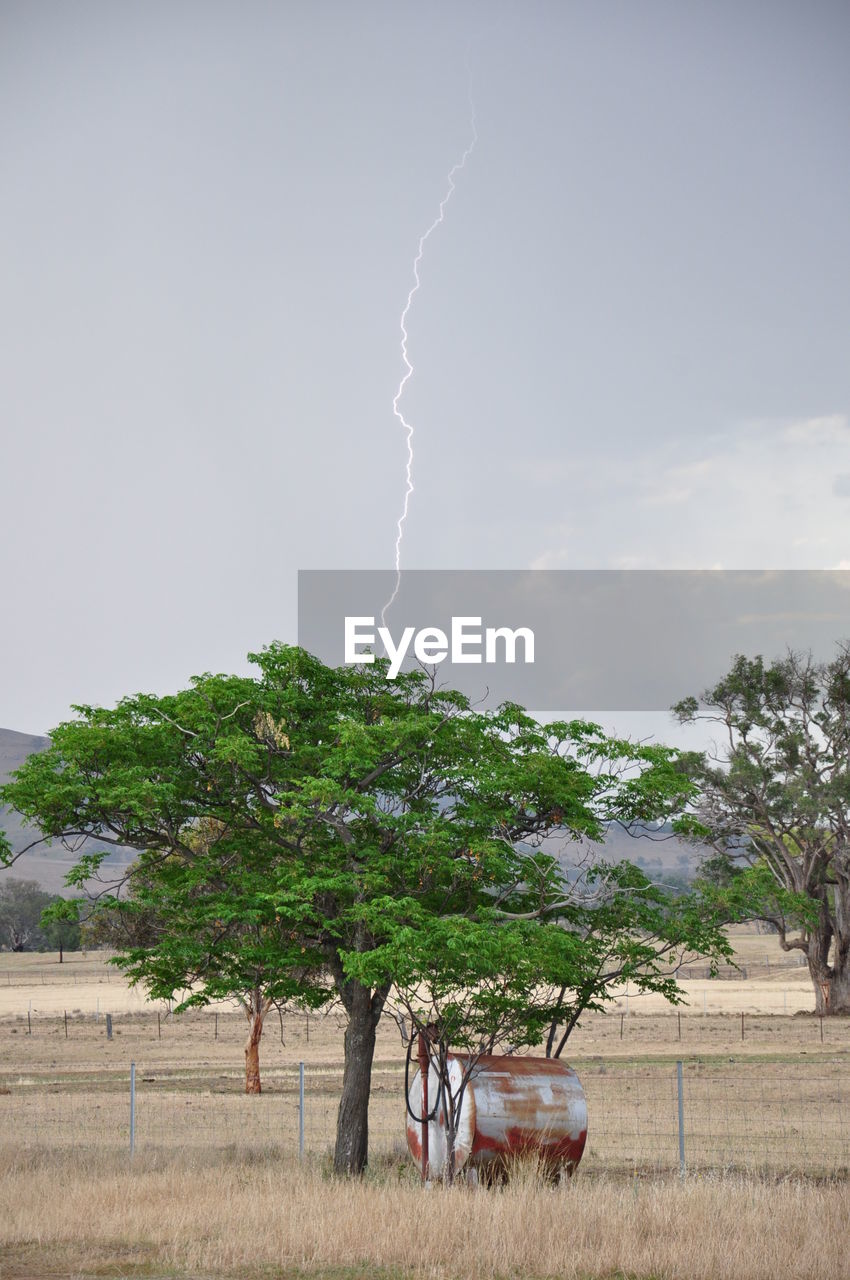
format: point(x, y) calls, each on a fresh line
point(512, 1106)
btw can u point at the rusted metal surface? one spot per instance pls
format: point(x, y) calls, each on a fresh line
point(511, 1106)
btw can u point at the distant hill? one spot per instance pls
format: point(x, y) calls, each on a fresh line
point(658, 850)
point(14, 749)
point(662, 856)
point(47, 864)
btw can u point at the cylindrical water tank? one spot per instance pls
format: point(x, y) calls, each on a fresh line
point(511, 1106)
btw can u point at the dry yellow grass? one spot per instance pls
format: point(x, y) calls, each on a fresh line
point(274, 1218)
point(214, 1190)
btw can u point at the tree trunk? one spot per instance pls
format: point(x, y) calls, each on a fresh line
point(839, 989)
point(451, 1114)
point(252, 1053)
point(352, 1128)
point(830, 981)
point(832, 987)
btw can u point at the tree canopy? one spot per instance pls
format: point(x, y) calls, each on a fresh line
point(345, 809)
point(775, 805)
point(207, 929)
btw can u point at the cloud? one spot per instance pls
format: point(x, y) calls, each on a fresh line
point(553, 558)
point(766, 494)
point(762, 498)
point(832, 429)
point(678, 483)
point(633, 562)
point(557, 555)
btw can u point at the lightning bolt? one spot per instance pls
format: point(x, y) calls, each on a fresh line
point(408, 367)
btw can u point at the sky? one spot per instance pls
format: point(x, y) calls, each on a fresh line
point(630, 344)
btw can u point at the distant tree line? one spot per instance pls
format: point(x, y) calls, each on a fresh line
point(23, 924)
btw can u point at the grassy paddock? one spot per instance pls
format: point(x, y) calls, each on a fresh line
point(764, 980)
point(206, 1043)
point(264, 1217)
point(215, 1190)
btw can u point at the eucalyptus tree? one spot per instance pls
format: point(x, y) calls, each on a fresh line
point(26, 922)
point(775, 805)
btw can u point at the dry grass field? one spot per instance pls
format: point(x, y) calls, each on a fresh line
point(215, 1187)
point(766, 981)
point(272, 1218)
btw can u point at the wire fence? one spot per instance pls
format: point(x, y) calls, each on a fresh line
point(755, 967)
point(765, 1116)
point(65, 1033)
point(70, 975)
point(759, 1116)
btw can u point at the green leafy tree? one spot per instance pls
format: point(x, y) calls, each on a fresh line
point(60, 933)
point(202, 928)
point(445, 816)
point(524, 964)
point(470, 987)
point(333, 790)
point(775, 806)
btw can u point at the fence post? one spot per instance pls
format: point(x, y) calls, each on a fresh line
point(109, 1026)
point(300, 1110)
point(681, 1092)
point(132, 1108)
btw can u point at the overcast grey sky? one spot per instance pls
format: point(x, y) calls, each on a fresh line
point(630, 344)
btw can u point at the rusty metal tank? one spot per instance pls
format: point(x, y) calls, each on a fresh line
point(511, 1106)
